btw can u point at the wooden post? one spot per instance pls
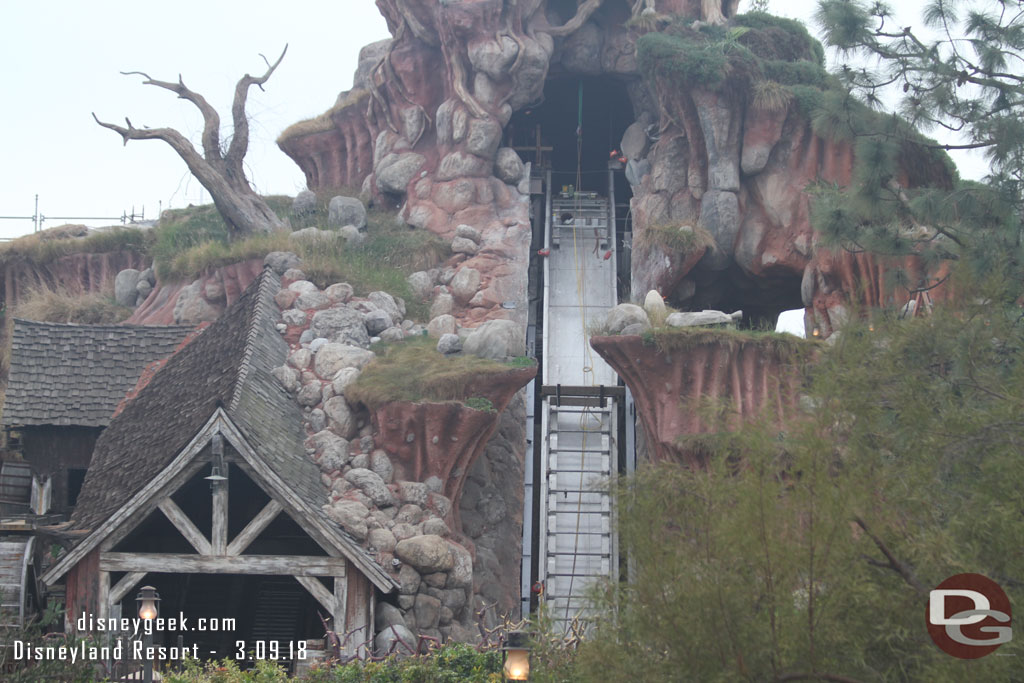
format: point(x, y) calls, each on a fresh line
point(340, 622)
point(103, 594)
point(220, 516)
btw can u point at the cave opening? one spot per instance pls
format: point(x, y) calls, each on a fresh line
point(762, 299)
point(573, 130)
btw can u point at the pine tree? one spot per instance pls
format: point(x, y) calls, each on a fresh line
point(961, 74)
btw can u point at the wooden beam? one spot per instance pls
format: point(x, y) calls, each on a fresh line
point(129, 515)
point(183, 524)
point(171, 563)
point(127, 582)
point(219, 536)
point(103, 594)
point(311, 520)
point(319, 591)
point(339, 616)
point(254, 527)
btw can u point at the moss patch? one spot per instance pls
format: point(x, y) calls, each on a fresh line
point(413, 370)
point(779, 344)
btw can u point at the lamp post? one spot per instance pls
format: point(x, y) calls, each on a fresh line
point(149, 608)
point(517, 656)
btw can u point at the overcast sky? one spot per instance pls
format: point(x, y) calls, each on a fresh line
point(60, 62)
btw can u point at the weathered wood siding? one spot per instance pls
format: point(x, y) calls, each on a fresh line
point(83, 589)
point(359, 607)
point(52, 451)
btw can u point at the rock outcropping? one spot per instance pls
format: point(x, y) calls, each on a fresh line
point(672, 388)
point(423, 128)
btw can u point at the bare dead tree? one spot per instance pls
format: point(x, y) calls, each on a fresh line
point(219, 170)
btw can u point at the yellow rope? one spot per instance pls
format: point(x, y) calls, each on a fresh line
point(588, 367)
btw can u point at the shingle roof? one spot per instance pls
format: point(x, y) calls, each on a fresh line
point(228, 365)
point(76, 374)
point(167, 413)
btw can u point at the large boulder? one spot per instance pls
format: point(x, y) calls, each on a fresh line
point(497, 340)
point(395, 639)
point(508, 166)
point(304, 204)
point(694, 319)
point(351, 515)
point(377, 321)
point(396, 170)
point(282, 261)
point(330, 358)
point(388, 303)
point(340, 417)
point(624, 315)
point(371, 483)
point(465, 284)
point(427, 554)
point(340, 324)
point(332, 449)
point(421, 284)
point(346, 211)
point(125, 287)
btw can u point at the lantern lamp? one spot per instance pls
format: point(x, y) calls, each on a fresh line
point(517, 656)
point(148, 600)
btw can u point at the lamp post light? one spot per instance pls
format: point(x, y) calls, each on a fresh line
point(517, 656)
point(149, 608)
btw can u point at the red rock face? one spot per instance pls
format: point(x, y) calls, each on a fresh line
point(86, 273)
point(444, 439)
point(743, 177)
point(423, 125)
point(669, 387)
point(218, 288)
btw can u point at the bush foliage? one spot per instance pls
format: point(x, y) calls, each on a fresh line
point(805, 551)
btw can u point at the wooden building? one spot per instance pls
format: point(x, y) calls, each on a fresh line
point(202, 488)
point(65, 383)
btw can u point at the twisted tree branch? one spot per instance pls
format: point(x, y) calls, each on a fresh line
point(211, 119)
point(240, 140)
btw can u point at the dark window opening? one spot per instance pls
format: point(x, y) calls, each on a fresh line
point(76, 477)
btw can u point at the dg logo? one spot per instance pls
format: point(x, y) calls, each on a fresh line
point(968, 616)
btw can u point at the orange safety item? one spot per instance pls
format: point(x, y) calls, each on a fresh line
point(543, 252)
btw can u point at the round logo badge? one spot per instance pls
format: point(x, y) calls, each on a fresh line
point(968, 616)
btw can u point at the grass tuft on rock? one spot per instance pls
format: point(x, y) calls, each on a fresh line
point(63, 306)
point(191, 241)
point(413, 370)
point(782, 345)
point(48, 245)
point(683, 239)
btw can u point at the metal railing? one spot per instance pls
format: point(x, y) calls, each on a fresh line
point(38, 219)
